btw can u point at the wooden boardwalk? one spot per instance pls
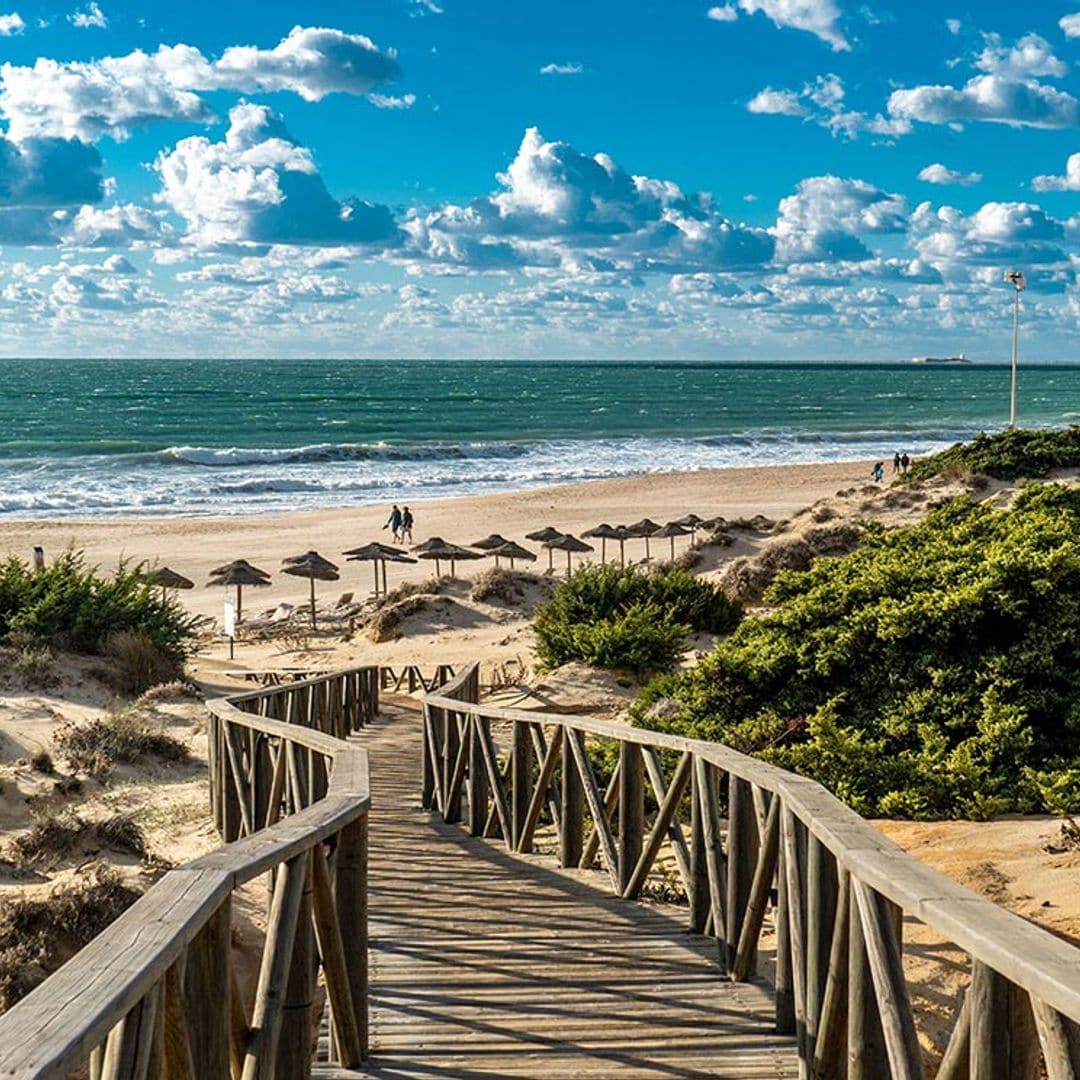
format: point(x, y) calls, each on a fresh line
point(487, 964)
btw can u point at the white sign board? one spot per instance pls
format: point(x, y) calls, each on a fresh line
point(229, 621)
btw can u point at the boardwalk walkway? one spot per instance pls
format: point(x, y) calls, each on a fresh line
point(487, 965)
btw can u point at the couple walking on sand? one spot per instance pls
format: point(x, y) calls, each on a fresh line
point(400, 523)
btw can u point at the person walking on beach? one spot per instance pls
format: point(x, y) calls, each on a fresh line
point(905, 463)
point(406, 525)
point(896, 462)
point(879, 471)
point(393, 523)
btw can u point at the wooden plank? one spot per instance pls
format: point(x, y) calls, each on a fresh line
point(887, 972)
point(335, 967)
point(715, 867)
point(572, 826)
point(631, 811)
point(830, 1046)
point(795, 913)
point(260, 1062)
point(760, 888)
point(742, 852)
point(539, 795)
point(1060, 1041)
point(679, 846)
point(669, 799)
point(596, 807)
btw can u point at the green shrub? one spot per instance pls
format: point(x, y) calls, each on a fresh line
point(1006, 455)
point(618, 617)
point(929, 673)
point(68, 605)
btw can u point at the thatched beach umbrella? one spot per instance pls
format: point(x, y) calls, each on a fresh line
point(241, 574)
point(441, 551)
point(671, 529)
point(542, 536)
point(642, 530)
point(312, 566)
point(378, 555)
point(489, 543)
point(512, 551)
point(691, 522)
point(242, 564)
point(169, 579)
point(602, 532)
point(568, 543)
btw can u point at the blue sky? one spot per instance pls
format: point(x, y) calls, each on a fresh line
point(780, 179)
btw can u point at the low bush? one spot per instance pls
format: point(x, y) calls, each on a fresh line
point(499, 583)
point(35, 666)
point(38, 934)
point(55, 836)
point(68, 605)
point(138, 663)
point(929, 673)
point(1005, 455)
point(122, 737)
point(618, 617)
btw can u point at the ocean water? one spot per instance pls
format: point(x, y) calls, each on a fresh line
point(109, 437)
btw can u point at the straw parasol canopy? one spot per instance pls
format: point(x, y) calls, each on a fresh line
point(542, 536)
point(603, 532)
point(512, 551)
point(566, 542)
point(671, 529)
point(691, 522)
point(241, 574)
point(243, 564)
point(642, 530)
point(441, 551)
point(489, 543)
point(312, 566)
point(378, 555)
point(169, 579)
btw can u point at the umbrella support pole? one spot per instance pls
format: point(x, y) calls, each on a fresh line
point(311, 578)
point(375, 566)
point(384, 589)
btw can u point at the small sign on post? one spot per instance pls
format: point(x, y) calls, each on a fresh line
point(229, 624)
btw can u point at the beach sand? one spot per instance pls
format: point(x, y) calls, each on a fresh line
point(193, 545)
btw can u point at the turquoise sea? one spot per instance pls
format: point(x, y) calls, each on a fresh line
point(104, 437)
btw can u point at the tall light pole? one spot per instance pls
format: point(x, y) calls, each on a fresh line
point(1019, 283)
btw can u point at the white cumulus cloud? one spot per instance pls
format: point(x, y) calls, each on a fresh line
point(259, 186)
point(941, 174)
point(567, 68)
point(90, 16)
point(824, 103)
point(12, 23)
point(89, 99)
point(772, 102)
point(1069, 182)
point(817, 17)
point(724, 13)
point(1070, 25)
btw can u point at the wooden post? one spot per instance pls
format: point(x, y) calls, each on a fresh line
point(261, 1060)
point(573, 807)
point(451, 746)
point(477, 785)
point(350, 893)
point(130, 1044)
point(699, 860)
point(521, 763)
point(295, 1045)
point(742, 856)
point(427, 752)
point(207, 986)
point(867, 1059)
point(821, 891)
point(1002, 1028)
point(631, 810)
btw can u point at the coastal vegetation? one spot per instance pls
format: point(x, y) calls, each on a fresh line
point(1005, 455)
point(69, 606)
point(619, 617)
point(930, 673)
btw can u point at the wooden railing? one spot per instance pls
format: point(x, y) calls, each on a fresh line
point(748, 839)
point(158, 993)
point(411, 678)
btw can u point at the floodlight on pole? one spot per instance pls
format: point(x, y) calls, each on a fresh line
point(1017, 280)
